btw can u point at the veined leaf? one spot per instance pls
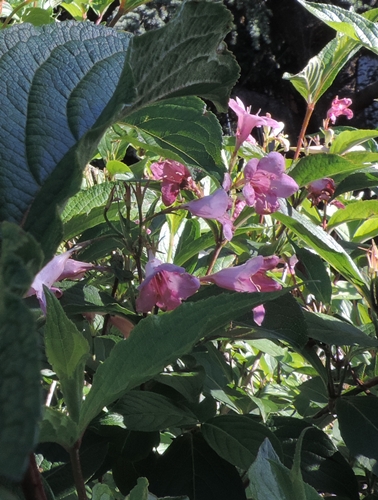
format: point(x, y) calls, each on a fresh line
point(313, 167)
point(53, 123)
point(358, 180)
point(350, 138)
point(181, 129)
point(323, 244)
point(360, 210)
point(322, 69)
point(20, 385)
point(67, 351)
point(355, 26)
point(129, 364)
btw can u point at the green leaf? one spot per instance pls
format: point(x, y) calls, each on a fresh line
point(197, 63)
point(367, 178)
point(314, 273)
point(322, 69)
point(359, 210)
point(201, 472)
point(333, 331)
point(350, 23)
point(270, 480)
point(313, 167)
point(366, 231)
point(189, 384)
point(39, 169)
point(358, 423)
point(67, 350)
point(20, 386)
point(283, 321)
point(57, 427)
point(169, 336)
point(322, 465)
point(237, 438)
point(350, 138)
point(140, 491)
point(147, 411)
point(323, 244)
point(181, 129)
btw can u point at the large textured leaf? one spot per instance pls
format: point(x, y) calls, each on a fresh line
point(351, 24)
point(168, 336)
point(323, 244)
point(53, 118)
point(67, 350)
point(237, 438)
point(19, 355)
point(181, 129)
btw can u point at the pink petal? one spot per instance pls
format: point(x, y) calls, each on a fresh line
point(250, 168)
point(209, 207)
point(169, 192)
point(285, 186)
point(249, 194)
point(273, 163)
point(237, 278)
point(258, 314)
point(266, 203)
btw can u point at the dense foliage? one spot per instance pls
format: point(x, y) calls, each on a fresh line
point(183, 313)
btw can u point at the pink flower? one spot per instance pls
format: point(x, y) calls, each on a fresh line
point(247, 122)
point(166, 286)
point(265, 182)
point(214, 206)
point(321, 190)
point(249, 277)
point(340, 107)
point(174, 175)
point(59, 268)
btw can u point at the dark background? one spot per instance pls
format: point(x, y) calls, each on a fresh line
point(271, 37)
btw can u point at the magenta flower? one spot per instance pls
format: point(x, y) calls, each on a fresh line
point(265, 182)
point(247, 122)
point(174, 175)
point(321, 190)
point(249, 277)
point(214, 206)
point(59, 268)
point(340, 107)
point(166, 286)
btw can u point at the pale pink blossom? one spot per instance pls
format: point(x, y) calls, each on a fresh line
point(59, 268)
point(247, 122)
point(174, 175)
point(265, 182)
point(249, 277)
point(340, 107)
point(214, 206)
point(165, 285)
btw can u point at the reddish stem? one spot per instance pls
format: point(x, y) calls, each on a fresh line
point(306, 120)
point(32, 486)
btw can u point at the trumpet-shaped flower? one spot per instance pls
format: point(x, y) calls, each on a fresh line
point(265, 182)
point(321, 190)
point(166, 286)
point(174, 175)
point(249, 277)
point(247, 122)
point(214, 206)
point(340, 107)
point(59, 268)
